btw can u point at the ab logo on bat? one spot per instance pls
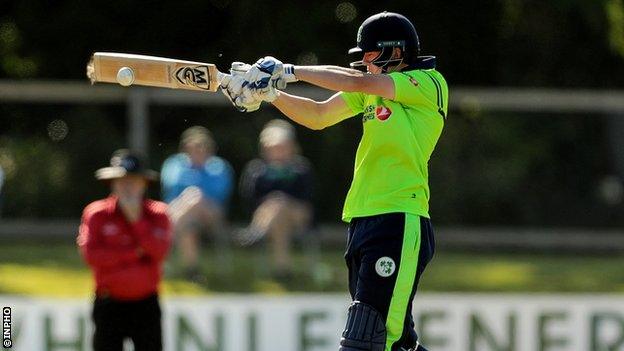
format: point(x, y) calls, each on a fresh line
point(193, 76)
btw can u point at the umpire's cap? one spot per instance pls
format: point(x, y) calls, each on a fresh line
point(124, 163)
point(388, 29)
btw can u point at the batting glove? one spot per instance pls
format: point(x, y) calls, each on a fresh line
point(279, 73)
point(262, 90)
point(232, 87)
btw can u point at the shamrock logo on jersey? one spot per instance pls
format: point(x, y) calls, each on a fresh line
point(385, 266)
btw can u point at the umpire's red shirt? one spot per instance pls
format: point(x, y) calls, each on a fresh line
point(126, 258)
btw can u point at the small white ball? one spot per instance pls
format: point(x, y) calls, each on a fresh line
point(125, 76)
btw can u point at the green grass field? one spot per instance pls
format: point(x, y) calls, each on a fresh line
point(56, 269)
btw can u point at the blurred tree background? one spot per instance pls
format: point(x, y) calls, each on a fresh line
point(503, 168)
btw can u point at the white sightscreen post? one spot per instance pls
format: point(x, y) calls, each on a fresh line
point(138, 121)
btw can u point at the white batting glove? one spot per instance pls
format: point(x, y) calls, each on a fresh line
point(232, 87)
point(261, 90)
point(280, 74)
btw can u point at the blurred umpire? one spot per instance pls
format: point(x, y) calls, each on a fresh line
point(403, 100)
point(124, 238)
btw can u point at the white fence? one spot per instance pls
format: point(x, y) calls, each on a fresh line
point(446, 322)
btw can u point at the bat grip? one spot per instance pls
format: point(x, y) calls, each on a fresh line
point(220, 77)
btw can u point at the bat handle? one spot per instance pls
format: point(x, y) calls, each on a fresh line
point(220, 77)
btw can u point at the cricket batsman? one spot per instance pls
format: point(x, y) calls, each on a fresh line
point(404, 103)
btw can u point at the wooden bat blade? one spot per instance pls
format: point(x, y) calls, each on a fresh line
point(155, 71)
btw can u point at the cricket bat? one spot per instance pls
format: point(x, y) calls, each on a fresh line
point(129, 69)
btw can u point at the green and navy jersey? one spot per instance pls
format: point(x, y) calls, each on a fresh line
point(391, 164)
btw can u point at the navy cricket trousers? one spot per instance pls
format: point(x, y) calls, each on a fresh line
point(386, 255)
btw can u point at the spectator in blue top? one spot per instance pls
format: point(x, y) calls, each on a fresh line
point(197, 184)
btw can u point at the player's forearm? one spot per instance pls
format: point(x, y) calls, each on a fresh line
point(304, 111)
point(331, 77)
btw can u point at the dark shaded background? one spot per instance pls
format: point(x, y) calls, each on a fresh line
point(503, 168)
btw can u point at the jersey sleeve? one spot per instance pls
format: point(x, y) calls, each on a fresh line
point(428, 87)
point(355, 101)
point(154, 234)
point(94, 251)
point(406, 89)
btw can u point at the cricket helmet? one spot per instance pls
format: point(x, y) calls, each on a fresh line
point(384, 32)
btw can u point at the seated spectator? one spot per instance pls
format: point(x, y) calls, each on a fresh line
point(278, 188)
point(197, 184)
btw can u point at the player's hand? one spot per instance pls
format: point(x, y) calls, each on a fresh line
point(262, 90)
point(232, 87)
point(269, 67)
